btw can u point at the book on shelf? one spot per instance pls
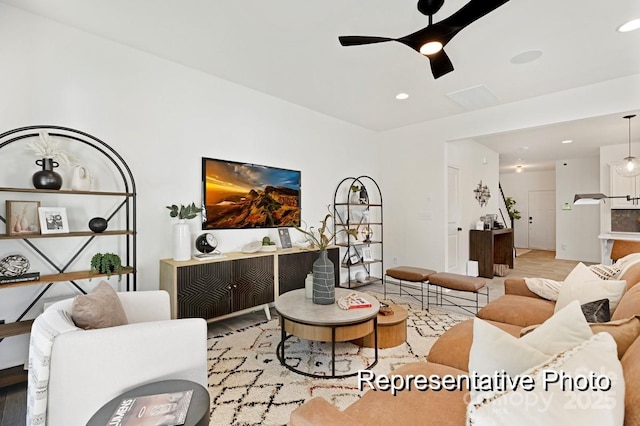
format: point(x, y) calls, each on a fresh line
point(358, 302)
point(208, 256)
point(168, 409)
point(29, 276)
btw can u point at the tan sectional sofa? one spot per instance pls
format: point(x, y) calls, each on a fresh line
point(517, 309)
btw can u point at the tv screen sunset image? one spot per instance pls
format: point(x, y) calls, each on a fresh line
point(241, 195)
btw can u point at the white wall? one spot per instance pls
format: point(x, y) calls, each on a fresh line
point(162, 118)
point(577, 229)
point(414, 158)
point(476, 163)
point(518, 186)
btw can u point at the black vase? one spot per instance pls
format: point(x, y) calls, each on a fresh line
point(98, 224)
point(47, 178)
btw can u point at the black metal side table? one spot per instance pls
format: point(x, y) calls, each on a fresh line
point(198, 414)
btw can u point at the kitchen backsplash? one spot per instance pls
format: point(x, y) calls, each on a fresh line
point(625, 220)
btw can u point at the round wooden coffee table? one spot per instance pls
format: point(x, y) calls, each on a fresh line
point(304, 319)
point(392, 330)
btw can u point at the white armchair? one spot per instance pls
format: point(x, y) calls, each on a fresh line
point(90, 367)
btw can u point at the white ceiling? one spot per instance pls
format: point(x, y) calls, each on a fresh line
point(289, 49)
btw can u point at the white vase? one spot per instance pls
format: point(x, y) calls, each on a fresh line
point(181, 241)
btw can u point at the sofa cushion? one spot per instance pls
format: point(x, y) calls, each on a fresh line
point(517, 310)
point(631, 367)
point(554, 405)
point(412, 407)
point(629, 305)
point(452, 348)
point(98, 309)
point(624, 331)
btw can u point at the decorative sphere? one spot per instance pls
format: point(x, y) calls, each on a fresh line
point(14, 265)
point(98, 224)
point(361, 277)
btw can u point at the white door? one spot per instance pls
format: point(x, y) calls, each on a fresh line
point(542, 220)
point(453, 220)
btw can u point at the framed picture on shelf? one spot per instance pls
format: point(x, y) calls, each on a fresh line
point(53, 220)
point(367, 256)
point(354, 259)
point(22, 217)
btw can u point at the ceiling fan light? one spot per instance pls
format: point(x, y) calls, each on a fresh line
point(431, 48)
point(632, 25)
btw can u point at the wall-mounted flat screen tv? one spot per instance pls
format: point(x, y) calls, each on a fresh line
point(242, 195)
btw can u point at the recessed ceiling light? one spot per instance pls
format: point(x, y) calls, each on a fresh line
point(634, 24)
point(402, 96)
point(525, 147)
point(525, 57)
point(518, 169)
point(567, 141)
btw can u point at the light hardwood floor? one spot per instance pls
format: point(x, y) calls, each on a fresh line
point(531, 264)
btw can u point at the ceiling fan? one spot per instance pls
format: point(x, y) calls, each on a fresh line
point(430, 40)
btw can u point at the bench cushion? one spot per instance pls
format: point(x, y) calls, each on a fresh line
point(457, 281)
point(410, 273)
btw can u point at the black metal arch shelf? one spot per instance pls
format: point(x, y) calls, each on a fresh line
point(126, 207)
point(344, 214)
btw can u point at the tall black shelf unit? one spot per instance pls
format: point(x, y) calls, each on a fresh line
point(68, 272)
point(355, 211)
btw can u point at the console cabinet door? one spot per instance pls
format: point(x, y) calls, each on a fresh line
point(204, 291)
point(293, 268)
point(252, 282)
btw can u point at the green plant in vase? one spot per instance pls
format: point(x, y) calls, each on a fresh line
point(183, 212)
point(106, 263)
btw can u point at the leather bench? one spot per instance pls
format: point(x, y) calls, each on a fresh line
point(457, 282)
point(410, 274)
point(441, 280)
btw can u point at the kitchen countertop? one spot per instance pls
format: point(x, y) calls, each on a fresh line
point(633, 236)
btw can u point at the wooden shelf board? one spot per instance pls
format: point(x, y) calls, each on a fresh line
point(65, 235)
point(66, 191)
point(13, 376)
point(66, 276)
point(15, 328)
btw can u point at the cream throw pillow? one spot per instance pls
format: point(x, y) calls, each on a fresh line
point(494, 350)
point(583, 285)
point(557, 406)
point(100, 308)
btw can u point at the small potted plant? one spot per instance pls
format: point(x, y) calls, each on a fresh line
point(106, 263)
point(268, 245)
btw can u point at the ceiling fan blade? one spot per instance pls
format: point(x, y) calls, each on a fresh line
point(359, 40)
point(440, 64)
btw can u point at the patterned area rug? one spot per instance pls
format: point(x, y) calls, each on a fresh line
point(249, 386)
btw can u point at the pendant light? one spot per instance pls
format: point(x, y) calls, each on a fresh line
point(629, 166)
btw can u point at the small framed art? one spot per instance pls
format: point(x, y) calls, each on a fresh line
point(22, 217)
point(367, 256)
point(53, 220)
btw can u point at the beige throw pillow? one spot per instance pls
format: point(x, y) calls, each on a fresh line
point(583, 285)
point(100, 308)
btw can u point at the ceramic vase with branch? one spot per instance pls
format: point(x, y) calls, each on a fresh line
point(181, 229)
point(324, 284)
point(50, 157)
